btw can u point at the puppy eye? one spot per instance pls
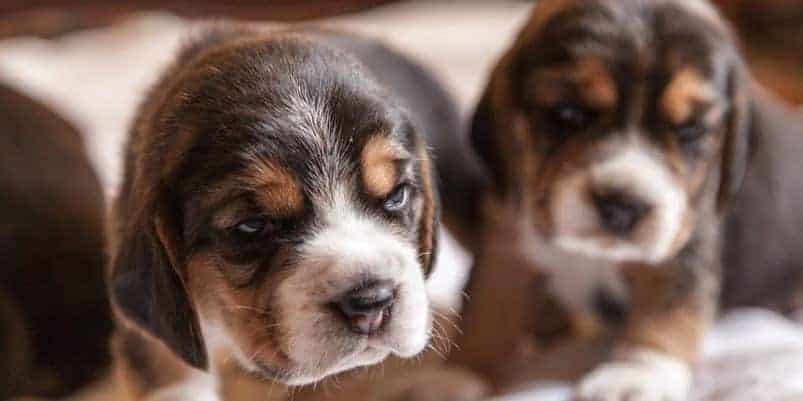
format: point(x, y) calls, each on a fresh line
point(571, 117)
point(252, 226)
point(398, 199)
point(690, 132)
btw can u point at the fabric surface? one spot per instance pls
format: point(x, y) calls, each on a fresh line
point(750, 355)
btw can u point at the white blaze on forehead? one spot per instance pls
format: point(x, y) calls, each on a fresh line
point(701, 8)
point(357, 243)
point(350, 247)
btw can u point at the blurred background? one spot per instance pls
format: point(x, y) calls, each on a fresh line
point(92, 60)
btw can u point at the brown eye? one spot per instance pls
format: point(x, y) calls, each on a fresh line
point(398, 199)
point(690, 132)
point(570, 117)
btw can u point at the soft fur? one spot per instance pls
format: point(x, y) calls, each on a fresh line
point(646, 101)
point(311, 134)
point(55, 320)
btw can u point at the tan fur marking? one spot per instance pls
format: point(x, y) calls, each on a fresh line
point(589, 77)
point(278, 189)
point(686, 89)
point(379, 158)
point(659, 319)
point(426, 231)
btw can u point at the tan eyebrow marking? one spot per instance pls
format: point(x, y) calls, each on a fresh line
point(378, 162)
point(588, 76)
point(276, 188)
point(686, 89)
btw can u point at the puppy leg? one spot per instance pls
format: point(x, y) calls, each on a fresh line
point(652, 361)
point(497, 319)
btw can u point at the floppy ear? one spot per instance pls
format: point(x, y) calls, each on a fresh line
point(429, 221)
point(483, 138)
point(147, 286)
point(736, 147)
point(497, 128)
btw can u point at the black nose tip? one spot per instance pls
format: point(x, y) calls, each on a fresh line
point(620, 213)
point(366, 308)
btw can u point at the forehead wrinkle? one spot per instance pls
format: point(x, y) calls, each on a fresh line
point(307, 112)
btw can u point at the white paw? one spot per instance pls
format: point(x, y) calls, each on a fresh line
point(643, 376)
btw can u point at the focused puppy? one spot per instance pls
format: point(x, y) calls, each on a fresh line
point(55, 319)
point(616, 133)
point(278, 208)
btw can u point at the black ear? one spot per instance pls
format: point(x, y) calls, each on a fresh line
point(148, 289)
point(736, 146)
point(483, 138)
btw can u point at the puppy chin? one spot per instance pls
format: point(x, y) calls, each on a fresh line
point(370, 356)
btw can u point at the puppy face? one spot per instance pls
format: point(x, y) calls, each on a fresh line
point(614, 123)
point(292, 200)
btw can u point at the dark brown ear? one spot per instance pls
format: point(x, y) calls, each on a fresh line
point(483, 138)
point(429, 222)
point(147, 286)
point(498, 135)
point(736, 148)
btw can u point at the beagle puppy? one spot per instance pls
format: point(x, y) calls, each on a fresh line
point(616, 136)
point(278, 209)
point(55, 319)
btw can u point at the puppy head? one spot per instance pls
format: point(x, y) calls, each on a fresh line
point(617, 124)
point(277, 205)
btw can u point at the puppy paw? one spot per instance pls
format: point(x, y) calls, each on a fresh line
point(444, 384)
point(643, 376)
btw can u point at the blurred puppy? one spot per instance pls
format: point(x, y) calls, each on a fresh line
point(278, 208)
point(615, 135)
point(55, 319)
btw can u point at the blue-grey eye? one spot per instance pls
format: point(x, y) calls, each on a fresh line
point(397, 200)
point(252, 226)
point(690, 132)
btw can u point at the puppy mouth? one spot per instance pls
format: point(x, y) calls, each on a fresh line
point(352, 342)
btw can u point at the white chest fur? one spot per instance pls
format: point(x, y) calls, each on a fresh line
point(574, 278)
